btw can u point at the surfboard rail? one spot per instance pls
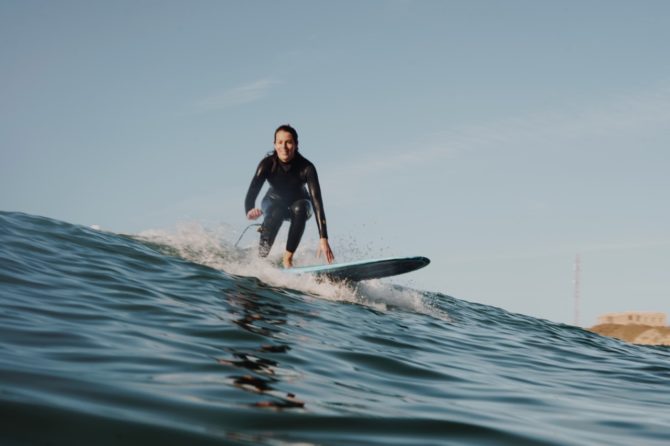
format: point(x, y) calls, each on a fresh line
point(364, 269)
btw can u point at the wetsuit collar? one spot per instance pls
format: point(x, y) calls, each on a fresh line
point(287, 166)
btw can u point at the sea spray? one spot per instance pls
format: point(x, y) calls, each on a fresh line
point(213, 247)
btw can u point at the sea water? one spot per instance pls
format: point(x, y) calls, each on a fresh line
point(162, 338)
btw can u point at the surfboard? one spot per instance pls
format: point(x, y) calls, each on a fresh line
point(364, 269)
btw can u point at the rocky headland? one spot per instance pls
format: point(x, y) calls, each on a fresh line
point(635, 334)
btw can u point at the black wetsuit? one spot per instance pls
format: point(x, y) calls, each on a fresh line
point(287, 199)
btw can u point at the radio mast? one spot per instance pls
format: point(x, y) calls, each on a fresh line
point(577, 283)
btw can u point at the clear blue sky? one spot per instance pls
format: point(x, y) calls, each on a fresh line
point(499, 139)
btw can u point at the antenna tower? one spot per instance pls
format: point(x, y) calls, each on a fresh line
point(577, 282)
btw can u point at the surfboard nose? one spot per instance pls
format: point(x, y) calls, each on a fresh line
point(423, 260)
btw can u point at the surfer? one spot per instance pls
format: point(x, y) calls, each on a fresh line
point(287, 172)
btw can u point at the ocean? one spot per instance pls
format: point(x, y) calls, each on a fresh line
point(162, 338)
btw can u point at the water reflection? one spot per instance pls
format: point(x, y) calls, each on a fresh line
point(266, 317)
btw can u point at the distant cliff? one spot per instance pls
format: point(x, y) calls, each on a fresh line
point(635, 334)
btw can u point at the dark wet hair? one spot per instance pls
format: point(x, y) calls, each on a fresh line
point(289, 129)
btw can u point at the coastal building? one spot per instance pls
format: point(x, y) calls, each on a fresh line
point(654, 319)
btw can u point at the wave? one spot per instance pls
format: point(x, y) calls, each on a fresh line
point(176, 337)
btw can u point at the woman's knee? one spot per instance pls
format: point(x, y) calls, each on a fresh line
point(301, 209)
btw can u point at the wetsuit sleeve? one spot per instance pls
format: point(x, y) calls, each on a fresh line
point(317, 201)
point(256, 184)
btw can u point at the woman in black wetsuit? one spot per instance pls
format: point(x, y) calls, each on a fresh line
point(288, 172)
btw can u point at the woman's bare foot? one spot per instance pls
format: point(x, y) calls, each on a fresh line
point(288, 259)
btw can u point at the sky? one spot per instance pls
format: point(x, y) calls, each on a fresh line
point(499, 139)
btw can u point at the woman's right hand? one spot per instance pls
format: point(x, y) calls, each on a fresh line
point(254, 214)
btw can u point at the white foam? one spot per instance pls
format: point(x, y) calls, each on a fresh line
point(213, 247)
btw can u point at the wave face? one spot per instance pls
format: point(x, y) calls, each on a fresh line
point(111, 339)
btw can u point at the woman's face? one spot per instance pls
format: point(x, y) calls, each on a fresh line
point(285, 146)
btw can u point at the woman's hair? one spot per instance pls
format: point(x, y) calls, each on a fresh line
point(289, 129)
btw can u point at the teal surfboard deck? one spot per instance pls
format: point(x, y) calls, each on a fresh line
point(364, 269)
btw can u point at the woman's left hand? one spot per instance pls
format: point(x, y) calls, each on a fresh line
point(325, 248)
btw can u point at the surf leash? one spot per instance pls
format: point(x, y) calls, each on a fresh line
point(245, 230)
